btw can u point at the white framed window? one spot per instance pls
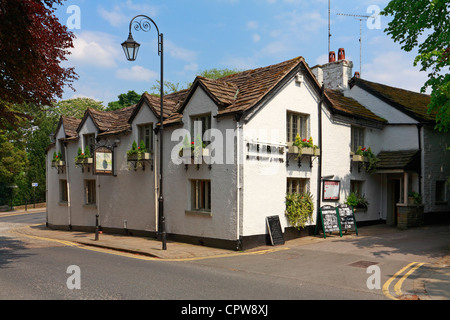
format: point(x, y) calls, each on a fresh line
point(296, 124)
point(145, 133)
point(297, 185)
point(357, 138)
point(199, 125)
point(63, 191)
point(201, 195)
point(89, 141)
point(90, 192)
point(357, 187)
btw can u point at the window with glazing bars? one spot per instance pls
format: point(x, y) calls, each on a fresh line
point(201, 195)
point(296, 124)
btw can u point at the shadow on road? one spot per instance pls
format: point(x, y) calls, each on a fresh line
point(10, 250)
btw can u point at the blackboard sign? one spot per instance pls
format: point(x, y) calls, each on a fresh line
point(275, 232)
point(347, 217)
point(330, 220)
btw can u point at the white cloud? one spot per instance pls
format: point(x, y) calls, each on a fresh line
point(136, 73)
point(115, 17)
point(256, 37)
point(394, 69)
point(95, 49)
point(179, 52)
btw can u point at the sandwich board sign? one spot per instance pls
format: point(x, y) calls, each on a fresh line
point(329, 217)
point(347, 217)
point(275, 232)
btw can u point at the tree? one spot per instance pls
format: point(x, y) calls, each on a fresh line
point(33, 43)
point(425, 25)
point(125, 100)
point(171, 87)
point(75, 107)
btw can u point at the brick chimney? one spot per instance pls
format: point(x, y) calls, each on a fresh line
point(335, 74)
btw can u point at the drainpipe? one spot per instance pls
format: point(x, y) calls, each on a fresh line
point(238, 181)
point(69, 207)
point(419, 127)
point(319, 169)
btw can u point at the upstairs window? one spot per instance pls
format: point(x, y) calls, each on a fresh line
point(89, 141)
point(357, 139)
point(296, 124)
point(145, 133)
point(199, 125)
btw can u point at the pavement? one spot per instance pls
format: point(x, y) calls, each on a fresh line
point(430, 282)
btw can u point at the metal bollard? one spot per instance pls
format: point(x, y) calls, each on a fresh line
point(96, 227)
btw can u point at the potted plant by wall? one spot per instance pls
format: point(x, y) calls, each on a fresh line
point(138, 153)
point(85, 157)
point(299, 209)
point(306, 146)
point(356, 201)
point(414, 198)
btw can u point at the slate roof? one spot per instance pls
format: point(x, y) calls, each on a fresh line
point(411, 103)
point(349, 106)
point(110, 122)
point(406, 160)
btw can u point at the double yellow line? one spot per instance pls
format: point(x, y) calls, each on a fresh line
point(413, 266)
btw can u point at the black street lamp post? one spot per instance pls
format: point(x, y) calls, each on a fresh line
point(131, 49)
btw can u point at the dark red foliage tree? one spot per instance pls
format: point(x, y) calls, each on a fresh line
point(33, 43)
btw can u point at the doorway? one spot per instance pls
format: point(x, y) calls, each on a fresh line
point(393, 197)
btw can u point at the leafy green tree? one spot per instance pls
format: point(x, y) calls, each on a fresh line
point(425, 25)
point(125, 100)
point(75, 107)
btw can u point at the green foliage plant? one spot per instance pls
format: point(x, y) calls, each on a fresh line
point(372, 159)
point(299, 209)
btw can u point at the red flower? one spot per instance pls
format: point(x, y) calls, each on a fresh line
point(304, 140)
point(192, 142)
point(363, 149)
point(139, 148)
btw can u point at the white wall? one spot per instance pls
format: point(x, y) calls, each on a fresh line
point(264, 186)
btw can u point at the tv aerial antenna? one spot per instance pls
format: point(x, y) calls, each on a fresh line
point(361, 18)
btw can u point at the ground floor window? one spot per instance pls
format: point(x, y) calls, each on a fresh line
point(90, 192)
point(201, 195)
point(440, 191)
point(297, 185)
point(357, 187)
point(63, 194)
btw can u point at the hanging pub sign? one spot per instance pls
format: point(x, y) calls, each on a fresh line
point(103, 161)
point(331, 190)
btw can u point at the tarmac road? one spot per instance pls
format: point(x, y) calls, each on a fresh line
point(303, 269)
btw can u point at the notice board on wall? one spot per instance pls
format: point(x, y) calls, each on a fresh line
point(331, 190)
point(275, 232)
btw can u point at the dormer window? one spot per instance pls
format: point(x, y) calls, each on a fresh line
point(89, 141)
point(199, 126)
point(145, 133)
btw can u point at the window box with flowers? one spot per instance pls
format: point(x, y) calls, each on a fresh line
point(138, 155)
point(57, 160)
point(366, 157)
point(194, 149)
point(304, 147)
point(84, 158)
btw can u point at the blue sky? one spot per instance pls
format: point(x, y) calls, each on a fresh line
point(235, 34)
